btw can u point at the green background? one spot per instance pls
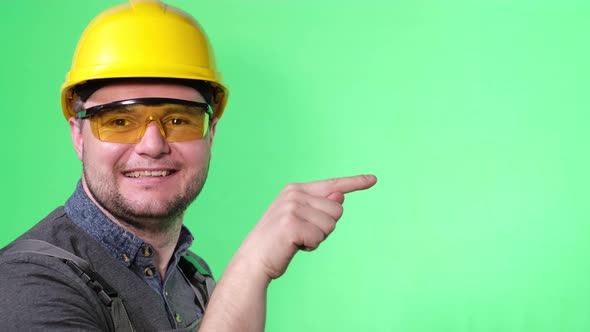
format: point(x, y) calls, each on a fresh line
point(473, 114)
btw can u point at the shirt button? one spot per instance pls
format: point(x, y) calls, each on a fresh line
point(149, 271)
point(125, 258)
point(177, 317)
point(166, 293)
point(147, 251)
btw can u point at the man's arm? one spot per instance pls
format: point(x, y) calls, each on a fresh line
point(301, 217)
point(43, 294)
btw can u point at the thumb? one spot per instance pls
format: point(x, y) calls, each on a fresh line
point(337, 197)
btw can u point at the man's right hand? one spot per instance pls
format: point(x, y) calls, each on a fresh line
point(300, 218)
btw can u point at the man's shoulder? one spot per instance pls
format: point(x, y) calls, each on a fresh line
point(21, 265)
point(20, 268)
point(39, 290)
point(57, 229)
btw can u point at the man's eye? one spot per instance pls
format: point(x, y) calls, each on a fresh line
point(119, 122)
point(178, 121)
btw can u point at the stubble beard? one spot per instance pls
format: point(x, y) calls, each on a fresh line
point(149, 216)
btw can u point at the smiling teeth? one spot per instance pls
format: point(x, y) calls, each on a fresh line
point(140, 174)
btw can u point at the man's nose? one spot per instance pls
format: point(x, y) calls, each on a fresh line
point(153, 143)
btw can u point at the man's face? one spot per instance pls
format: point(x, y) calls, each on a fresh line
point(171, 175)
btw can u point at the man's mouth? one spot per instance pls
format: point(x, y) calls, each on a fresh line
point(144, 174)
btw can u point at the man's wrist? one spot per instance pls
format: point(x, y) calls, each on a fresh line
point(248, 270)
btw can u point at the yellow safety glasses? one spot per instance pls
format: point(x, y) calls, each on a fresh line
point(126, 121)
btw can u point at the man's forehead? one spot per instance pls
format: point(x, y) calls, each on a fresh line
point(131, 90)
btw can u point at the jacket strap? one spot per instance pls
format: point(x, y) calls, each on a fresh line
point(107, 295)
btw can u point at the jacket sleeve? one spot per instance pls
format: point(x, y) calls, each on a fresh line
point(39, 293)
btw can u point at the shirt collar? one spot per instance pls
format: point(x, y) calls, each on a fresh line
point(120, 243)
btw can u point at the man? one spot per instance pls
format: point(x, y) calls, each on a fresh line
point(142, 100)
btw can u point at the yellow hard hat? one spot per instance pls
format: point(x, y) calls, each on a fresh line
point(143, 39)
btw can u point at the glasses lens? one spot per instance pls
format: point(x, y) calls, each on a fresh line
point(127, 124)
point(184, 123)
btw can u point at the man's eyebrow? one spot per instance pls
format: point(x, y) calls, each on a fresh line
point(179, 109)
point(119, 109)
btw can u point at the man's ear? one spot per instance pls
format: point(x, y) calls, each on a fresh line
point(212, 130)
point(77, 138)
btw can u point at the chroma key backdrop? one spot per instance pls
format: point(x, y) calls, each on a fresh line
point(475, 116)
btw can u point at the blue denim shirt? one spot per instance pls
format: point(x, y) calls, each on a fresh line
point(126, 247)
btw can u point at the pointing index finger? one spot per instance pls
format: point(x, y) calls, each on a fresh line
point(342, 185)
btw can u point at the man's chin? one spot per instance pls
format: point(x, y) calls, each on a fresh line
point(151, 209)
